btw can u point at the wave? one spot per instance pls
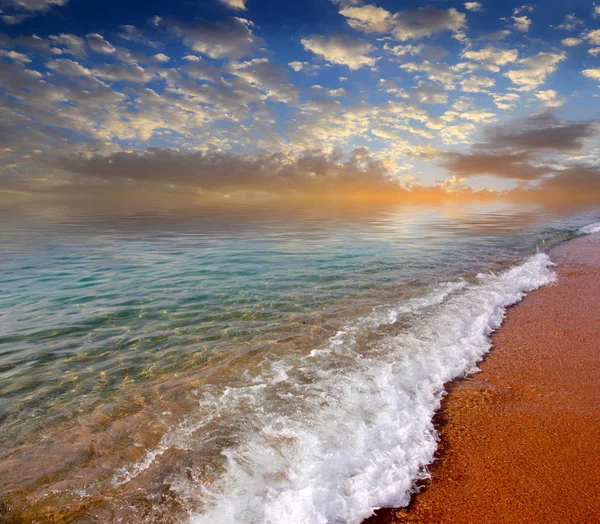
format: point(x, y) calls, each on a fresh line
point(335, 435)
point(590, 229)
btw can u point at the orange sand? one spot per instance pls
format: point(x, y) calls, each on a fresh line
point(520, 441)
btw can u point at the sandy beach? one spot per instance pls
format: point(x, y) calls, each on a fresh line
point(519, 441)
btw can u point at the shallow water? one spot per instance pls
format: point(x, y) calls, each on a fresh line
point(244, 366)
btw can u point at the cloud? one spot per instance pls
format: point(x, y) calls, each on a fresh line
point(570, 42)
point(298, 66)
point(33, 5)
point(161, 57)
point(343, 50)
point(473, 6)
point(426, 21)
point(70, 44)
point(14, 55)
point(593, 37)
point(235, 4)
point(436, 72)
point(19, 10)
point(69, 68)
point(230, 38)
point(99, 44)
point(368, 18)
point(534, 70)
point(477, 84)
point(505, 101)
point(403, 50)
point(550, 98)
point(594, 73)
point(570, 23)
point(491, 56)
point(522, 23)
point(522, 150)
point(221, 172)
point(410, 24)
point(267, 76)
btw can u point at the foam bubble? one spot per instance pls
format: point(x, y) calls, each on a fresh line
point(589, 229)
point(331, 437)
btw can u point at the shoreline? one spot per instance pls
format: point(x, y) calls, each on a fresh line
point(519, 440)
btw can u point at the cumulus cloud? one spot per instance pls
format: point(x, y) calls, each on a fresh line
point(235, 4)
point(477, 84)
point(343, 50)
point(231, 38)
point(492, 55)
point(550, 98)
point(473, 6)
point(593, 37)
point(410, 24)
point(99, 44)
point(19, 10)
point(593, 73)
point(267, 76)
point(570, 23)
point(426, 21)
point(520, 150)
point(368, 18)
point(221, 172)
point(522, 23)
point(534, 70)
point(570, 42)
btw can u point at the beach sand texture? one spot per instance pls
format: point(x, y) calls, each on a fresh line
point(520, 441)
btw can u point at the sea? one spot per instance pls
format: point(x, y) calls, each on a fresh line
point(234, 364)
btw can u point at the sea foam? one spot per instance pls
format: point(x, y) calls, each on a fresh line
point(356, 437)
point(589, 229)
point(334, 435)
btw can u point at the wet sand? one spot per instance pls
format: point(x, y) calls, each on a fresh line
point(520, 441)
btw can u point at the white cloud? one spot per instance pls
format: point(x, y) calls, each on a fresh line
point(492, 57)
point(343, 50)
point(594, 51)
point(593, 37)
point(570, 42)
point(426, 21)
point(33, 5)
point(405, 25)
point(534, 70)
point(14, 55)
point(570, 23)
point(522, 23)
point(441, 73)
point(68, 68)
point(235, 4)
point(99, 44)
point(473, 6)
point(269, 77)
point(550, 98)
point(596, 11)
point(506, 101)
point(594, 73)
point(231, 38)
point(303, 66)
point(402, 50)
point(368, 18)
point(161, 57)
point(477, 84)
point(70, 44)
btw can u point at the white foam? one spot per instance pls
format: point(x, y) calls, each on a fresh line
point(589, 229)
point(332, 437)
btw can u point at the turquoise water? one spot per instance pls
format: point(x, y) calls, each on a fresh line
point(116, 326)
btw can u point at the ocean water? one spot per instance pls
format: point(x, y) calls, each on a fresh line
point(245, 366)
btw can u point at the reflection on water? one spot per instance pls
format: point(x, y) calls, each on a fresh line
point(114, 324)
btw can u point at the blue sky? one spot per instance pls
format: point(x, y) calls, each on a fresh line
point(410, 93)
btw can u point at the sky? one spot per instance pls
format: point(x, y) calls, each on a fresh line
point(246, 98)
